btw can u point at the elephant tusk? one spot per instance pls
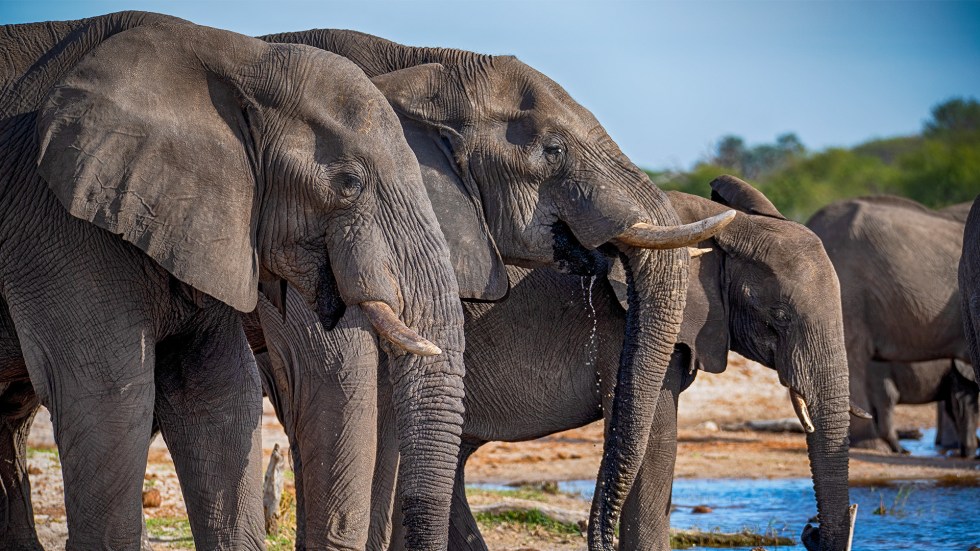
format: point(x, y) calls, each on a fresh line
point(858, 412)
point(696, 251)
point(387, 324)
point(799, 404)
point(852, 513)
point(648, 236)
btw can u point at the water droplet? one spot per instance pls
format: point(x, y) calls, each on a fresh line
point(592, 344)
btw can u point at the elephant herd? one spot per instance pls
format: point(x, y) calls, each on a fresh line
point(190, 218)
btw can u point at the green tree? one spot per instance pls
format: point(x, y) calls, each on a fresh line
point(954, 116)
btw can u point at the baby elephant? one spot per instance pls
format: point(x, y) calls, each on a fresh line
point(895, 383)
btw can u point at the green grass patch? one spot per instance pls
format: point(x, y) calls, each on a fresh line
point(532, 518)
point(47, 452)
point(176, 531)
point(543, 491)
point(285, 538)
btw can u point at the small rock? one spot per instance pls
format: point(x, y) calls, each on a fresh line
point(151, 498)
point(701, 509)
point(709, 426)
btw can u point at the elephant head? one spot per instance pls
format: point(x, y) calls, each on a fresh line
point(231, 161)
point(768, 291)
point(520, 173)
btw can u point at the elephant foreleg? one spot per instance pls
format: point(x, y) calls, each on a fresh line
point(384, 535)
point(18, 405)
point(961, 405)
point(209, 408)
point(101, 408)
point(645, 522)
point(332, 403)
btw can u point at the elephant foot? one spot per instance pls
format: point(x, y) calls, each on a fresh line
point(876, 444)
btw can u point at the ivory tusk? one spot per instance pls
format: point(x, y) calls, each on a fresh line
point(858, 412)
point(696, 251)
point(852, 513)
point(648, 236)
point(387, 324)
point(799, 404)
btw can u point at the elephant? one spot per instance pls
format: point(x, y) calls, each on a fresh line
point(141, 209)
point(896, 261)
point(968, 278)
point(518, 173)
point(545, 360)
point(949, 381)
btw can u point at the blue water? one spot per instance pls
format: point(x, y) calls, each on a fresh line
point(920, 515)
point(925, 446)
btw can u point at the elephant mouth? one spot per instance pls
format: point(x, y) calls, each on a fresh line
point(571, 257)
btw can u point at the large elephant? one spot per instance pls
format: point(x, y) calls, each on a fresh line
point(968, 277)
point(896, 261)
point(544, 360)
point(153, 173)
point(518, 173)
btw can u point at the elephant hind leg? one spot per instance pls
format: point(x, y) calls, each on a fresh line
point(209, 409)
point(18, 405)
point(884, 398)
point(464, 534)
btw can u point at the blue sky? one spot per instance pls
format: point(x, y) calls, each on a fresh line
point(666, 79)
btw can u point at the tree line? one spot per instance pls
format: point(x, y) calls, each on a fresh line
point(937, 167)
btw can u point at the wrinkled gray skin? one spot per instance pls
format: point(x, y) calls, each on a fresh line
point(968, 277)
point(766, 290)
point(518, 173)
point(949, 381)
point(141, 208)
point(896, 261)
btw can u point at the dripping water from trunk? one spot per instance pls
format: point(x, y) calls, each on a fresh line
point(592, 344)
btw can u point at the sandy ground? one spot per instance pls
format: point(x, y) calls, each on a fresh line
point(746, 391)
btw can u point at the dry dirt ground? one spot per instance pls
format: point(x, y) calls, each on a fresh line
point(746, 391)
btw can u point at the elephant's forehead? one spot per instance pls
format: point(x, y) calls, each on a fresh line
point(519, 86)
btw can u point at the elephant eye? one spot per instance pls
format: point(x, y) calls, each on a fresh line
point(554, 152)
point(781, 316)
point(351, 186)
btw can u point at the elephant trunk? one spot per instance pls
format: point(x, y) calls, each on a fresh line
point(657, 282)
point(428, 405)
point(828, 403)
point(427, 390)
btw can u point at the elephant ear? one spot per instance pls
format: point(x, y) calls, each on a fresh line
point(427, 93)
point(735, 193)
point(145, 142)
point(704, 329)
point(458, 206)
